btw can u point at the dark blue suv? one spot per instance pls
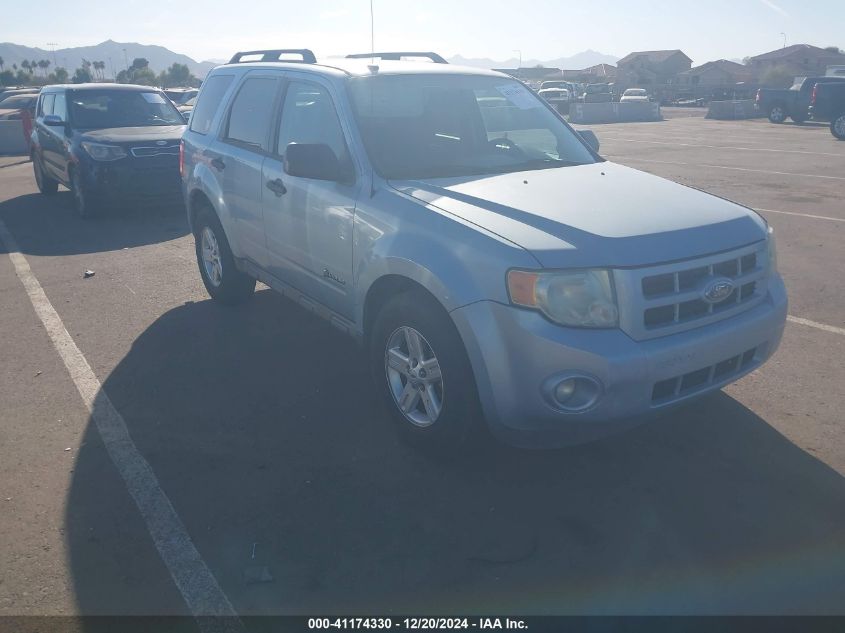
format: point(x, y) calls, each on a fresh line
point(108, 143)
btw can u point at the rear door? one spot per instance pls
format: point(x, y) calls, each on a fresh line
point(238, 157)
point(309, 222)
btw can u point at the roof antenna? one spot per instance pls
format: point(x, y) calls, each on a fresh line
point(372, 67)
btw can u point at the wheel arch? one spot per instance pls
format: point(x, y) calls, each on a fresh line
point(382, 290)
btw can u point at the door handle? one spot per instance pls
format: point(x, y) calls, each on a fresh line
point(277, 187)
point(218, 164)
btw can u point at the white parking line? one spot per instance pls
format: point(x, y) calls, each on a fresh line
point(745, 149)
point(803, 215)
point(759, 171)
point(194, 579)
point(819, 326)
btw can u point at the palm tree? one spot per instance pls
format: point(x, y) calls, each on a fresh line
point(25, 65)
point(100, 67)
point(44, 64)
point(2, 65)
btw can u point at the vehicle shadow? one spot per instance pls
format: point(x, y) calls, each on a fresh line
point(261, 426)
point(45, 225)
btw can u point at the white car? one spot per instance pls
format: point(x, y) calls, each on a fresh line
point(633, 95)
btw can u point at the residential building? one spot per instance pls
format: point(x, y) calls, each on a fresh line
point(798, 59)
point(645, 68)
point(721, 72)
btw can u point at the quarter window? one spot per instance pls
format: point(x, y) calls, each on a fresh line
point(209, 101)
point(249, 120)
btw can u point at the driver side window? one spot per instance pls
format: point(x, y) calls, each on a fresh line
point(309, 117)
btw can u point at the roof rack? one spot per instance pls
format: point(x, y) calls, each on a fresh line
point(308, 56)
point(397, 56)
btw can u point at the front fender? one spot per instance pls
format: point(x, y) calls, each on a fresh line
point(457, 262)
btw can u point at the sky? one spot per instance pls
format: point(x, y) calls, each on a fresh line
point(542, 29)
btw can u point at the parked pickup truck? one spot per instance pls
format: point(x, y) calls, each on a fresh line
point(827, 103)
point(793, 102)
point(495, 268)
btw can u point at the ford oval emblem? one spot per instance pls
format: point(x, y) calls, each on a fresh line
point(718, 290)
point(161, 142)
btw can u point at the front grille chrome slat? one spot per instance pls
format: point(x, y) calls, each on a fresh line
point(665, 299)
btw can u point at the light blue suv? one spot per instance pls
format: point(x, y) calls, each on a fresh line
point(494, 266)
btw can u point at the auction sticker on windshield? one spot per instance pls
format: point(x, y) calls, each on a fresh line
point(518, 95)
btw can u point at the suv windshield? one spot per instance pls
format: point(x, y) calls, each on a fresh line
point(440, 126)
point(98, 109)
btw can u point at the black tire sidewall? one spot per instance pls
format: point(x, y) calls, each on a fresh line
point(46, 185)
point(88, 208)
point(236, 287)
point(779, 120)
point(841, 137)
point(459, 418)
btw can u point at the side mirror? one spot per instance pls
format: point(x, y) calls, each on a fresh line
point(53, 120)
point(186, 116)
point(316, 161)
point(590, 139)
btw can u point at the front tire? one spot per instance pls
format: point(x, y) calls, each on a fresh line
point(777, 113)
point(46, 185)
point(421, 368)
point(223, 281)
point(837, 127)
point(83, 202)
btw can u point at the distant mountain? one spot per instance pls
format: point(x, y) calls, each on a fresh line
point(584, 59)
point(110, 52)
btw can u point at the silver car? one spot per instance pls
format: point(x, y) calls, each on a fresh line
point(495, 268)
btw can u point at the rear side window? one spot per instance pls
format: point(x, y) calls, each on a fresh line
point(47, 104)
point(212, 94)
point(249, 119)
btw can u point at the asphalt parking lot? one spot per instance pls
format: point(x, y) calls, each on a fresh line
point(281, 468)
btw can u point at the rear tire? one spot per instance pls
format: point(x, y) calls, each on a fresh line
point(46, 185)
point(777, 113)
point(223, 281)
point(422, 371)
point(837, 127)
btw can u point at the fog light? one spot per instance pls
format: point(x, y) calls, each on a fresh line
point(564, 390)
point(572, 394)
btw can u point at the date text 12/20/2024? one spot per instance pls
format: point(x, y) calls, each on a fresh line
point(417, 624)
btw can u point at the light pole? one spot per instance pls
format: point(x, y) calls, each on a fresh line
point(516, 50)
point(784, 39)
point(52, 46)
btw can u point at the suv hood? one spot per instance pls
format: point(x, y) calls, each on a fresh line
point(594, 215)
point(135, 134)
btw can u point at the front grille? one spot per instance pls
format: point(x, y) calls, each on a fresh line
point(162, 150)
point(677, 387)
point(665, 299)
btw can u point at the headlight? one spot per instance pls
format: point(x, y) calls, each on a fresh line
point(98, 151)
point(578, 298)
point(773, 251)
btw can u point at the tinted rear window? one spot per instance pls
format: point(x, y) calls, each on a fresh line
point(208, 101)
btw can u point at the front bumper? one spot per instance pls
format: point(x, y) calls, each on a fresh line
point(136, 180)
point(515, 352)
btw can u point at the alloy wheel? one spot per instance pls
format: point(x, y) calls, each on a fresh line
point(211, 260)
point(414, 377)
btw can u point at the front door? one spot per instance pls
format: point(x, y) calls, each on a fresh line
point(309, 222)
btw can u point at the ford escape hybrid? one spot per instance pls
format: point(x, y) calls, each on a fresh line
point(494, 266)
